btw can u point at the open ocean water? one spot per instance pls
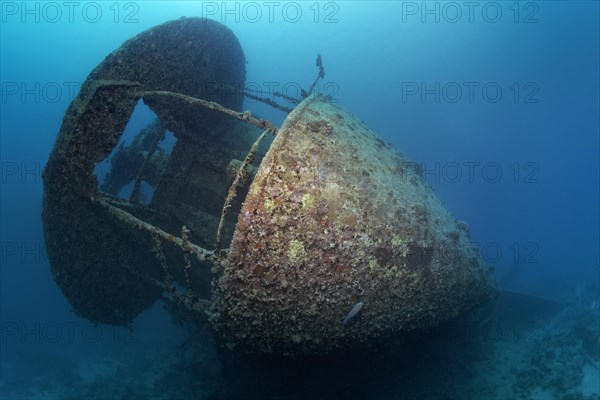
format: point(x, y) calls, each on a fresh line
point(495, 104)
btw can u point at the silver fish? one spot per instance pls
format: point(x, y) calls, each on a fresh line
point(355, 309)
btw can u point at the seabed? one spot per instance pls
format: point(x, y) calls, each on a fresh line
point(553, 357)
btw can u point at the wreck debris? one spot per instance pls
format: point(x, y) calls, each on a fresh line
point(245, 116)
point(141, 175)
point(183, 243)
point(267, 101)
point(239, 178)
point(321, 75)
point(97, 252)
point(273, 248)
point(136, 162)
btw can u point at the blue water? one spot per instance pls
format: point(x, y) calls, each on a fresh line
point(501, 110)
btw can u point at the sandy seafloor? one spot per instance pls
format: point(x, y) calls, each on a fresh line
point(528, 357)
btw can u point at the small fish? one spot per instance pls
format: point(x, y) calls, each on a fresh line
point(355, 310)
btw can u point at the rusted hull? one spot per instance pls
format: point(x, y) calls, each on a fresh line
point(335, 217)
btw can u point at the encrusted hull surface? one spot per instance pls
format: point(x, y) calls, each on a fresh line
point(335, 217)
